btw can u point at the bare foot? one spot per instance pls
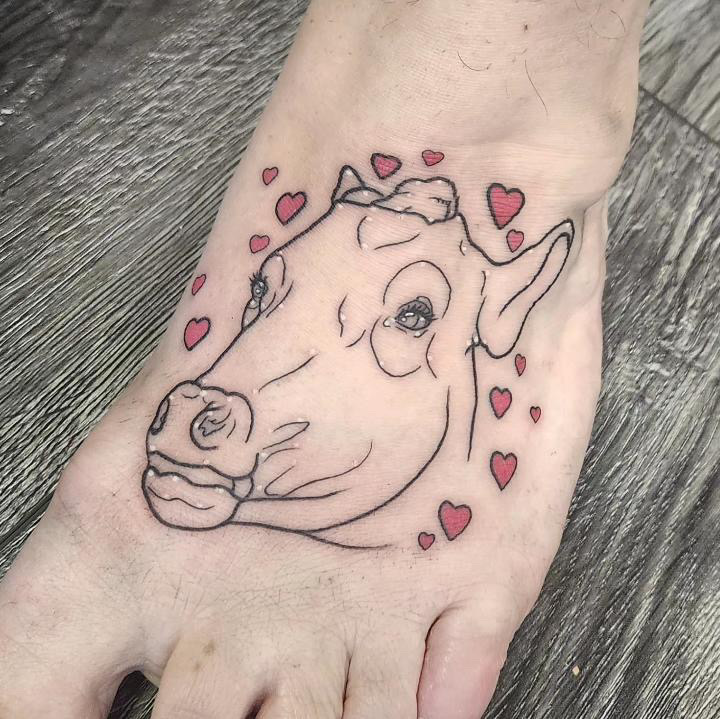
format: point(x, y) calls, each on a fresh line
point(335, 489)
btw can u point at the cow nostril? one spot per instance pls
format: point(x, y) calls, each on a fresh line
point(160, 417)
point(210, 425)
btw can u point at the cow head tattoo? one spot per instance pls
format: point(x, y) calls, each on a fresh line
point(301, 424)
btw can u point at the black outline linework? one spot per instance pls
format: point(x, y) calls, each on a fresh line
point(566, 236)
point(273, 178)
point(454, 507)
point(430, 535)
point(395, 244)
point(354, 342)
point(428, 151)
point(502, 391)
point(376, 155)
point(340, 316)
point(270, 309)
point(261, 238)
point(197, 321)
point(427, 357)
point(286, 374)
point(504, 457)
point(356, 465)
point(380, 363)
point(473, 417)
point(194, 291)
point(507, 191)
point(292, 196)
point(350, 189)
point(303, 426)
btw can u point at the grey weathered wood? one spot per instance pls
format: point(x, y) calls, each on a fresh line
point(680, 61)
point(632, 597)
point(122, 123)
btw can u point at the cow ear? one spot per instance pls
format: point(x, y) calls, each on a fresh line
point(350, 186)
point(514, 287)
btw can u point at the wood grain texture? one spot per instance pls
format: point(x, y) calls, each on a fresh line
point(121, 124)
point(680, 60)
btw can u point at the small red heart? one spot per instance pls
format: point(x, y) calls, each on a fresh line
point(384, 165)
point(520, 363)
point(503, 467)
point(515, 239)
point(269, 174)
point(535, 413)
point(500, 401)
point(258, 243)
point(432, 157)
point(289, 205)
point(197, 284)
point(454, 519)
point(504, 204)
point(195, 331)
point(426, 540)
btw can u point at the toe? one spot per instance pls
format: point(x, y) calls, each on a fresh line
point(203, 680)
point(310, 679)
point(67, 633)
point(383, 677)
point(465, 652)
point(306, 694)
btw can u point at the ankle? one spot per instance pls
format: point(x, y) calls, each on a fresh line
point(535, 91)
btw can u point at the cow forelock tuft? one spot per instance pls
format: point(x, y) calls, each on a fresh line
point(435, 199)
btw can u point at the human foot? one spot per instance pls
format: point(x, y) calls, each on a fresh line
point(397, 443)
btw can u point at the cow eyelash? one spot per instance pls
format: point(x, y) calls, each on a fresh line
point(420, 308)
point(258, 285)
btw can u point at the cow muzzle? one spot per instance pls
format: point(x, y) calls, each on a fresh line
point(200, 462)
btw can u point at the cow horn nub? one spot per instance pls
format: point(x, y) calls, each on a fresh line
point(350, 186)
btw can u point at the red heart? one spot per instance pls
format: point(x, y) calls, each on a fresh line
point(504, 204)
point(258, 243)
point(515, 239)
point(269, 174)
point(426, 540)
point(535, 413)
point(432, 157)
point(289, 205)
point(384, 165)
point(195, 331)
point(500, 401)
point(520, 363)
point(197, 284)
point(503, 467)
point(454, 520)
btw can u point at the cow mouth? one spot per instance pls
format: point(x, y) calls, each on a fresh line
point(191, 497)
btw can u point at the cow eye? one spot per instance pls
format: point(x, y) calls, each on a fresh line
point(416, 314)
point(258, 287)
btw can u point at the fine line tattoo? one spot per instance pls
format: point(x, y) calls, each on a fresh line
point(278, 433)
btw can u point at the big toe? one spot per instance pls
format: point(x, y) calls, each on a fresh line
point(466, 649)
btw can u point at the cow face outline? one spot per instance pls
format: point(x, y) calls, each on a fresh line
point(318, 434)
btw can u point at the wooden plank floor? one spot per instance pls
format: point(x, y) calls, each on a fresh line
point(119, 126)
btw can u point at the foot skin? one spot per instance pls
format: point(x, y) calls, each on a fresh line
point(336, 488)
